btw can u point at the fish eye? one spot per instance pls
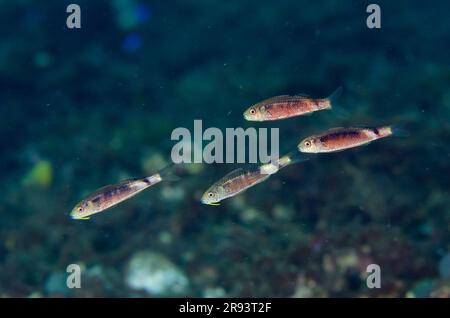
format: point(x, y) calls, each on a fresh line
point(307, 143)
point(252, 111)
point(210, 194)
point(80, 209)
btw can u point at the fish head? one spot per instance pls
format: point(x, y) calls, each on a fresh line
point(83, 210)
point(256, 113)
point(250, 114)
point(213, 195)
point(308, 145)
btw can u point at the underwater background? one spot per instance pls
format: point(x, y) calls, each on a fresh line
point(83, 108)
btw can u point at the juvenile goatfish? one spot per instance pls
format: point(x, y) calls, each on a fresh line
point(285, 106)
point(110, 195)
point(240, 179)
point(336, 139)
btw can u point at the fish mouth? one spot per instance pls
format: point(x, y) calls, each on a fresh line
point(301, 149)
point(250, 117)
point(204, 201)
point(213, 203)
point(80, 217)
point(73, 216)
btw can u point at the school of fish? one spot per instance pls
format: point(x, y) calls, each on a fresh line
point(275, 108)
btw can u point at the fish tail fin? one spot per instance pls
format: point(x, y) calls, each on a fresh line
point(294, 156)
point(168, 173)
point(335, 105)
point(335, 96)
point(399, 131)
point(284, 161)
point(165, 174)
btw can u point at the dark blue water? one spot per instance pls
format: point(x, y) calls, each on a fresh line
point(83, 108)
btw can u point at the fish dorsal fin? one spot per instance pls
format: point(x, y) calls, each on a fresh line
point(99, 191)
point(335, 129)
point(277, 99)
point(338, 128)
point(113, 186)
point(233, 174)
point(302, 95)
point(362, 126)
point(237, 173)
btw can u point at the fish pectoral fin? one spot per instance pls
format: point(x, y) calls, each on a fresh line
point(214, 203)
point(84, 218)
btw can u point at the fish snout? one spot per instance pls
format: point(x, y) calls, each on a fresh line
point(74, 214)
point(205, 199)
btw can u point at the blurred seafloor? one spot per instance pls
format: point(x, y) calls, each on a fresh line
point(84, 108)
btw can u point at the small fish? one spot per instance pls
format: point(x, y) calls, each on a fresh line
point(241, 179)
point(336, 139)
point(285, 106)
point(110, 195)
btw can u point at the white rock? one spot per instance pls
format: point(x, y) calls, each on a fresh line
point(214, 292)
point(155, 274)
